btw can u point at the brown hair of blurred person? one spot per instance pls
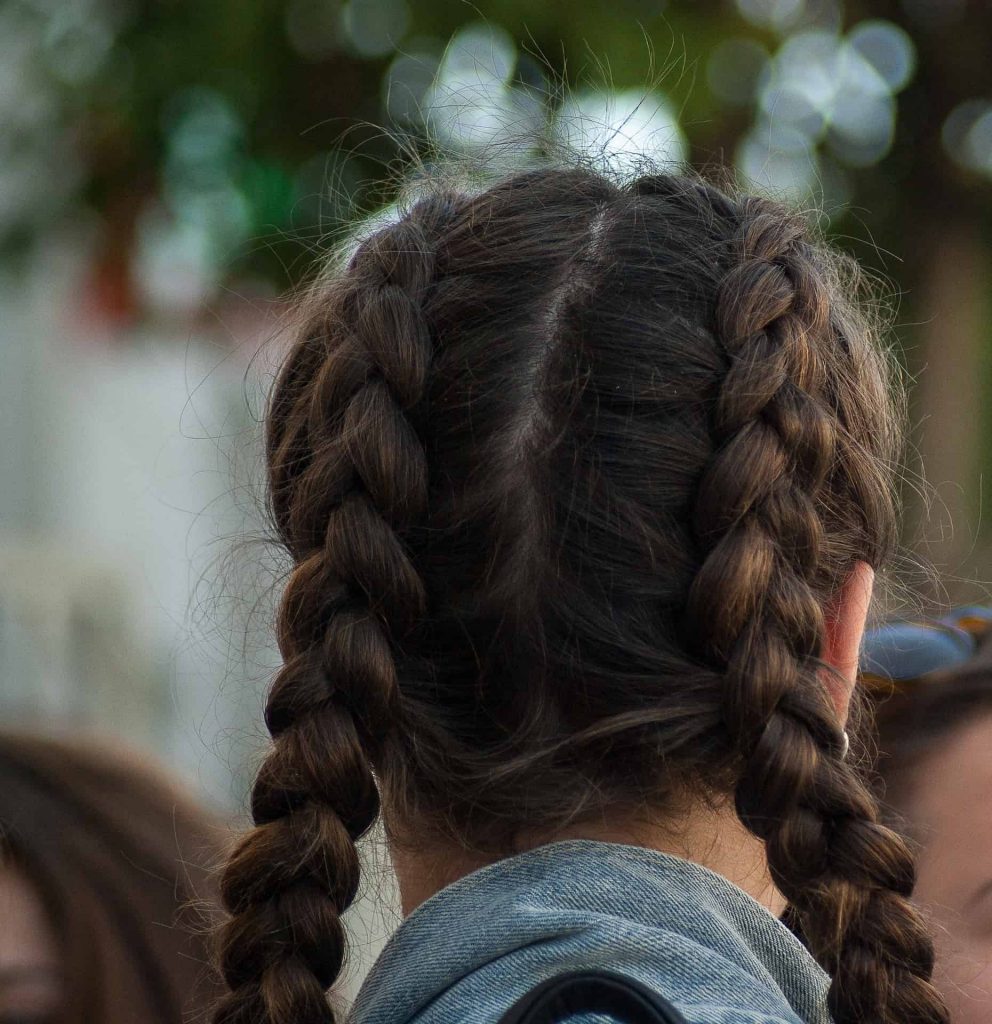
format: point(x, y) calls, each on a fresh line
point(104, 886)
point(935, 743)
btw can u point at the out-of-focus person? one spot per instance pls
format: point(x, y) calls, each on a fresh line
point(932, 684)
point(105, 889)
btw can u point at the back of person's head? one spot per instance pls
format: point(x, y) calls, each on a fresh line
point(931, 687)
point(927, 681)
point(118, 861)
point(570, 472)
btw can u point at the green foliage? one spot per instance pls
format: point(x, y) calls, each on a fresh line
point(244, 131)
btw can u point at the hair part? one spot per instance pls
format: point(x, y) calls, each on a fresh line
point(570, 471)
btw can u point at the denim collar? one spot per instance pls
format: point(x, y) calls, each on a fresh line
point(464, 955)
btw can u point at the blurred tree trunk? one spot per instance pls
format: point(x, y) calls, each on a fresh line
point(938, 223)
point(950, 307)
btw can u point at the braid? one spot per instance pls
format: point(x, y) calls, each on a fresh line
point(755, 611)
point(348, 477)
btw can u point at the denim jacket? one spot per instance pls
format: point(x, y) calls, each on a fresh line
point(466, 954)
point(469, 952)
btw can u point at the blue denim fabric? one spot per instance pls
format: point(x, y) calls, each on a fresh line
point(470, 951)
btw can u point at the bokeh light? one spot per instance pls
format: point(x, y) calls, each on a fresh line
point(40, 170)
point(967, 135)
point(824, 88)
point(77, 41)
point(406, 84)
point(186, 237)
point(375, 28)
point(473, 102)
point(620, 130)
point(779, 15)
point(779, 159)
point(888, 49)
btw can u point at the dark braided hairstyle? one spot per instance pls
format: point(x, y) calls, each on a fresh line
point(570, 473)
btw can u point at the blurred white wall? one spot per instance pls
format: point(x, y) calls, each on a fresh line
point(129, 473)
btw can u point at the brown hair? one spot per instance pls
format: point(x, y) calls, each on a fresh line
point(121, 861)
point(569, 472)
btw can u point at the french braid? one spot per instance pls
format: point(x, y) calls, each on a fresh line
point(756, 609)
point(348, 477)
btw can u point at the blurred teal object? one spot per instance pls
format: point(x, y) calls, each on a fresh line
point(899, 652)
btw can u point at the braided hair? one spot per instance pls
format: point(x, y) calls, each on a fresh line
point(570, 472)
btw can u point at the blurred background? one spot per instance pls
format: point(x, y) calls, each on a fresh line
point(169, 169)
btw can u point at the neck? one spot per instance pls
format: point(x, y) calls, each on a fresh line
point(711, 837)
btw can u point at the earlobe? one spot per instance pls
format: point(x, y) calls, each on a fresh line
point(845, 627)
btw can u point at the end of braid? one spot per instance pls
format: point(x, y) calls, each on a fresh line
point(755, 611)
point(348, 478)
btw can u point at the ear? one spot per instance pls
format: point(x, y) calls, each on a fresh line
point(845, 627)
